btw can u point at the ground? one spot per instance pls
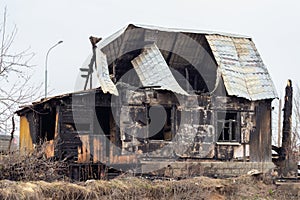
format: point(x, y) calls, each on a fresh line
point(128, 187)
point(33, 176)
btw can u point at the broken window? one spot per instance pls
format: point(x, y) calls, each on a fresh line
point(228, 129)
point(151, 123)
point(102, 121)
point(165, 133)
point(47, 130)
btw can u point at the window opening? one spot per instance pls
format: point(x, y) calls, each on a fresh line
point(228, 127)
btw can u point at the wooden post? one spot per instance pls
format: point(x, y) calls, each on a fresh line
point(286, 153)
point(93, 41)
point(187, 78)
point(287, 120)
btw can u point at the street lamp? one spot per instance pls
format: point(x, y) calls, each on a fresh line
point(46, 65)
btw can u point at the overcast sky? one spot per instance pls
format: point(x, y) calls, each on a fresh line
point(274, 26)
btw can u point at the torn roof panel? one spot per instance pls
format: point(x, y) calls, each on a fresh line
point(242, 69)
point(115, 45)
point(101, 66)
point(227, 58)
point(234, 83)
point(255, 70)
point(153, 70)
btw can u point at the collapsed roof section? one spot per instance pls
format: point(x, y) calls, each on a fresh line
point(153, 70)
point(104, 79)
point(234, 56)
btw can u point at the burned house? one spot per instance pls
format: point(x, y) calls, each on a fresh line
point(157, 100)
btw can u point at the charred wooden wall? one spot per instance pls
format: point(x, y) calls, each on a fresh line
point(255, 128)
point(260, 139)
point(92, 128)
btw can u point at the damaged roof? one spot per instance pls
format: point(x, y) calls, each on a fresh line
point(153, 70)
point(240, 65)
point(104, 79)
point(242, 69)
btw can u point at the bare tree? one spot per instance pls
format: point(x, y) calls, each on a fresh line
point(15, 87)
point(296, 121)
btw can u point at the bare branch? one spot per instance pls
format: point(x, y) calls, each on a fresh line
point(296, 120)
point(15, 85)
point(11, 133)
point(3, 39)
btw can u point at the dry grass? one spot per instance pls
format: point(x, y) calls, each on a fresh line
point(31, 166)
point(245, 187)
point(127, 188)
point(34, 177)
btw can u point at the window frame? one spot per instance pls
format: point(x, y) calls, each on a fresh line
point(234, 125)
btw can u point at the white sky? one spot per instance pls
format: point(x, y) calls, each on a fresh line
point(274, 26)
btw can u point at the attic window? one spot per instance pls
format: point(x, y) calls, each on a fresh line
point(228, 127)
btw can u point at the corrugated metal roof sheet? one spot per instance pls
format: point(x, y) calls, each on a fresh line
point(111, 38)
point(112, 48)
point(188, 30)
point(242, 69)
point(153, 70)
point(106, 83)
point(116, 35)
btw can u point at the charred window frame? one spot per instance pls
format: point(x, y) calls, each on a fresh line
point(228, 126)
point(166, 132)
point(163, 132)
point(47, 125)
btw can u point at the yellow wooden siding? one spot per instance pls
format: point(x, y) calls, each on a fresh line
point(25, 137)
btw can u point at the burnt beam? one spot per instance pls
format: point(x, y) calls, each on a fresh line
point(287, 120)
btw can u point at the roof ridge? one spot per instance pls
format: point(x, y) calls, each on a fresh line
point(196, 31)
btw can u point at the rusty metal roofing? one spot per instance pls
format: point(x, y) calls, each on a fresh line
point(153, 70)
point(242, 69)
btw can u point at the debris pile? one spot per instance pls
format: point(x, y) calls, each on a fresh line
point(33, 166)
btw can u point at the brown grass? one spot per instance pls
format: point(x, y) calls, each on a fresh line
point(35, 177)
point(33, 166)
point(244, 187)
